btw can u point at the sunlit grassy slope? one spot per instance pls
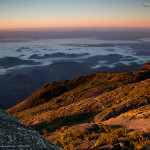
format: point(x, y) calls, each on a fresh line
point(89, 94)
point(90, 98)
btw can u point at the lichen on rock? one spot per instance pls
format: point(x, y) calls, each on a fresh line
point(15, 135)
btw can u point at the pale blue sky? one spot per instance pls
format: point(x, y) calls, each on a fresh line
point(77, 13)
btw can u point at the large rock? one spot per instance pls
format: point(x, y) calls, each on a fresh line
point(130, 123)
point(15, 135)
point(80, 127)
point(85, 145)
point(54, 136)
point(146, 67)
point(105, 147)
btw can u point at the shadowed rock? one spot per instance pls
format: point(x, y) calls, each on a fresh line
point(93, 128)
point(15, 135)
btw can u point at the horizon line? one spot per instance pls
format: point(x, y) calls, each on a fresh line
point(82, 27)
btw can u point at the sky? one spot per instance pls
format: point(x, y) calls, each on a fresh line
point(73, 13)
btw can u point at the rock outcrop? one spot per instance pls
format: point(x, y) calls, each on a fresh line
point(115, 111)
point(146, 67)
point(15, 135)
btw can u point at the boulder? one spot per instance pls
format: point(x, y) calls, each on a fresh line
point(93, 128)
point(54, 136)
point(80, 127)
point(15, 135)
point(105, 147)
point(85, 145)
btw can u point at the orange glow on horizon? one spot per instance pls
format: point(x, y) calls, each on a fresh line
point(82, 22)
point(75, 23)
point(7, 27)
point(70, 13)
point(93, 21)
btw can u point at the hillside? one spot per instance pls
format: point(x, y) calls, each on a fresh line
point(88, 101)
point(145, 67)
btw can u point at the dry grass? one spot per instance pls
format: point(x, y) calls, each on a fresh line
point(142, 112)
point(119, 137)
point(133, 92)
point(71, 102)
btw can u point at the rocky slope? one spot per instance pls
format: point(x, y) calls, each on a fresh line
point(89, 101)
point(15, 135)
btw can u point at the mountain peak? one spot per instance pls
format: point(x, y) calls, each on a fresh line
point(145, 67)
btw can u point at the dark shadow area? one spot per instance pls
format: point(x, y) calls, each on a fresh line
point(53, 125)
point(27, 80)
point(16, 88)
point(108, 59)
point(128, 58)
point(140, 49)
point(109, 34)
point(8, 62)
point(57, 55)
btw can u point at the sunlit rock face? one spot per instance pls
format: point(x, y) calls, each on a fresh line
point(146, 67)
point(15, 135)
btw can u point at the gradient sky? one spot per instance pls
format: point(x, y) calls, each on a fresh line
point(73, 13)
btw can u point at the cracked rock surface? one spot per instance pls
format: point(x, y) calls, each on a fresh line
point(16, 136)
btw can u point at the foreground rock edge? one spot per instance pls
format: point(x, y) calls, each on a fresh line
point(14, 134)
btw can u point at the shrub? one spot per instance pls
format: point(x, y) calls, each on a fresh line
point(138, 139)
point(115, 136)
point(71, 138)
point(45, 133)
point(68, 139)
point(107, 135)
point(120, 132)
point(106, 138)
point(105, 128)
point(89, 136)
point(63, 129)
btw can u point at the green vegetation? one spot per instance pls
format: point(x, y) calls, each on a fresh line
point(71, 138)
point(120, 137)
